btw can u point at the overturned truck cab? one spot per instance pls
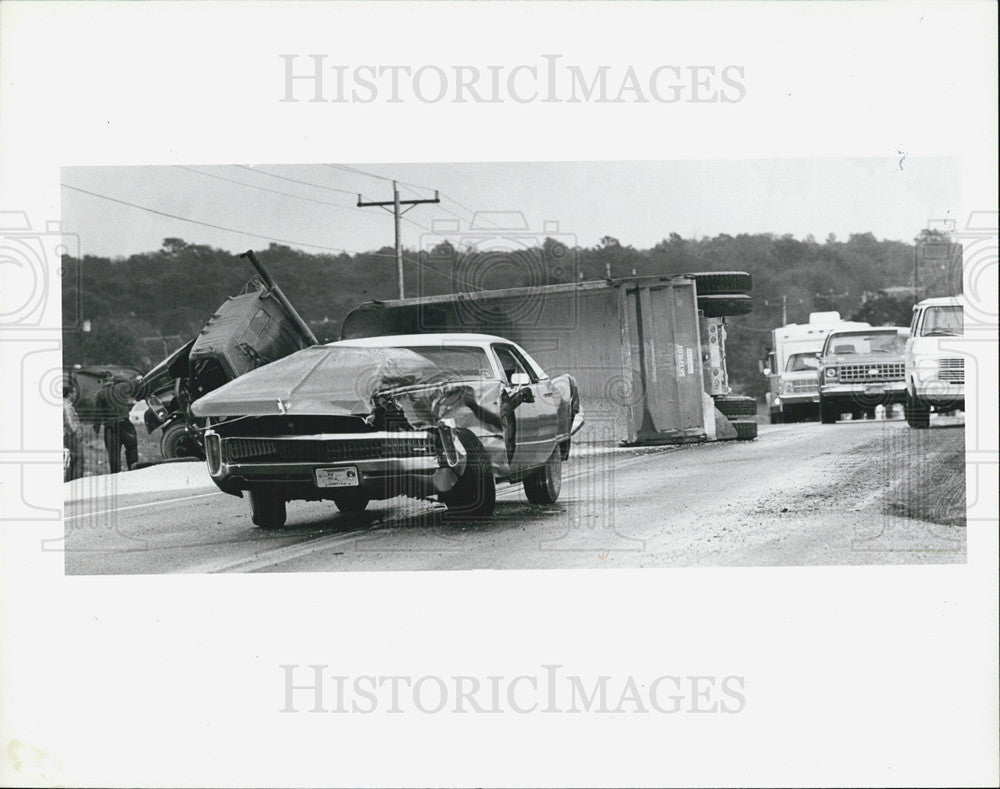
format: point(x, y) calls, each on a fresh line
point(445, 415)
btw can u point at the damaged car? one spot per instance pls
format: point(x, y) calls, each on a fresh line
point(428, 415)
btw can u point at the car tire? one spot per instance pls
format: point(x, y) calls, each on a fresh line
point(732, 406)
point(474, 495)
point(267, 508)
point(828, 412)
point(745, 430)
point(351, 501)
point(176, 442)
point(722, 283)
point(776, 418)
point(721, 306)
point(918, 412)
point(542, 486)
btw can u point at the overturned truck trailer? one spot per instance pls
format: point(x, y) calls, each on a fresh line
point(635, 347)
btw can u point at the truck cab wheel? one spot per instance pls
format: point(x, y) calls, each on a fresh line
point(176, 442)
point(828, 412)
point(267, 508)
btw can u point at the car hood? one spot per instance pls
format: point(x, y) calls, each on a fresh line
point(327, 381)
point(164, 373)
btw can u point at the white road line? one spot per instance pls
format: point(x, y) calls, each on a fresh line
point(146, 504)
point(287, 553)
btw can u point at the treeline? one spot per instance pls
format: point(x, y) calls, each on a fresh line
point(134, 310)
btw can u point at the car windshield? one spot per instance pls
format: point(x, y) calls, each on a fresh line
point(945, 321)
point(798, 362)
point(457, 361)
point(864, 342)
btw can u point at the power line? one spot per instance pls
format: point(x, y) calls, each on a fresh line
point(295, 180)
point(265, 189)
point(220, 227)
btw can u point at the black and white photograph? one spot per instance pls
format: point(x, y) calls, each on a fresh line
point(506, 393)
point(453, 389)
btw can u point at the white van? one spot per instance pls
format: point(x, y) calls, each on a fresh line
point(935, 369)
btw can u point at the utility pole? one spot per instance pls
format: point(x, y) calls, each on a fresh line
point(784, 307)
point(397, 215)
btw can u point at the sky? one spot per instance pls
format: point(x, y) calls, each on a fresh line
point(313, 206)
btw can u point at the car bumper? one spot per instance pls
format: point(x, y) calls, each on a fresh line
point(892, 391)
point(940, 392)
point(798, 398)
point(378, 478)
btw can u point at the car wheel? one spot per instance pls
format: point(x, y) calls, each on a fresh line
point(267, 508)
point(775, 417)
point(918, 413)
point(720, 306)
point(745, 430)
point(828, 412)
point(475, 493)
point(176, 442)
point(732, 407)
point(542, 486)
point(349, 501)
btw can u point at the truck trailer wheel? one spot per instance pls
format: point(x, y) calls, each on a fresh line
point(745, 430)
point(734, 406)
point(720, 306)
point(718, 283)
point(267, 508)
point(542, 485)
point(475, 493)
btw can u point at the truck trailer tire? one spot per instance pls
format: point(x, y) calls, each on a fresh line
point(719, 306)
point(732, 406)
point(745, 430)
point(722, 283)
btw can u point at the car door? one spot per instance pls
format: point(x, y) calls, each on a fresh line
point(534, 415)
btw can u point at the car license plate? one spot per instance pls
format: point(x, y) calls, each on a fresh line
point(875, 389)
point(341, 477)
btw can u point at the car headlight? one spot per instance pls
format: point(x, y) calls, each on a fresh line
point(789, 387)
point(157, 406)
point(831, 372)
point(213, 451)
point(926, 368)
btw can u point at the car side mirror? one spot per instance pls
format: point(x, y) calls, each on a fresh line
point(520, 379)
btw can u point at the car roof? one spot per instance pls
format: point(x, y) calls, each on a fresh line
point(846, 332)
point(943, 301)
point(429, 339)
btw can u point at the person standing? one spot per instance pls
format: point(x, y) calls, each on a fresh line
point(114, 401)
point(72, 438)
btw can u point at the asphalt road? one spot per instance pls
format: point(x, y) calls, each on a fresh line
point(801, 494)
